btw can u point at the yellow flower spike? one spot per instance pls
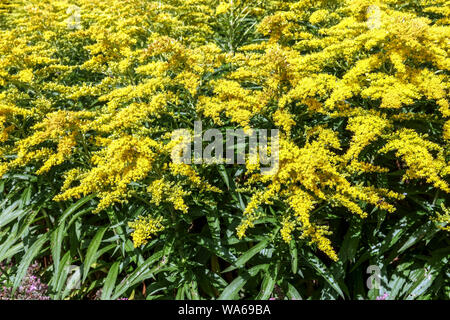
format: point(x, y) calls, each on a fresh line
point(345, 94)
point(144, 229)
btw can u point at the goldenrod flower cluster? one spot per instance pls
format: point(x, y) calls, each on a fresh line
point(144, 229)
point(91, 94)
point(443, 219)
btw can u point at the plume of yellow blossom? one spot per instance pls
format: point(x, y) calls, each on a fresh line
point(144, 229)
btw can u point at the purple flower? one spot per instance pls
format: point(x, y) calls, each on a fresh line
point(383, 297)
point(31, 287)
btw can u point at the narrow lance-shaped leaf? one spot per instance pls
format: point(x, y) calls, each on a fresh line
point(26, 260)
point(91, 254)
point(247, 256)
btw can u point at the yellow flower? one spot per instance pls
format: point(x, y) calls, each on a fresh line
point(25, 75)
point(223, 7)
point(144, 229)
point(353, 90)
point(319, 16)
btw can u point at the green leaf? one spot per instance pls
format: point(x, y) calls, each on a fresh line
point(292, 293)
point(91, 256)
point(294, 256)
point(232, 290)
point(78, 214)
point(56, 245)
point(12, 238)
point(154, 288)
point(322, 270)
point(268, 284)
point(193, 289)
point(12, 251)
point(102, 251)
point(61, 276)
point(351, 241)
point(26, 260)
point(25, 197)
point(73, 281)
point(396, 285)
point(9, 247)
point(247, 256)
point(224, 175)
point(426, 230)
point(396, 233)
point(110, 281)
point(214, 226)
point(141, 273)
point(215, 248)
point(70, 210)
point(12, 213)
point(427, 275)
point(180, 293)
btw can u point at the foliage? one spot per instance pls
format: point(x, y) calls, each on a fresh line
point(90, 95)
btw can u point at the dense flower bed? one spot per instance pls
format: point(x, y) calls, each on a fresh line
point(92, 90)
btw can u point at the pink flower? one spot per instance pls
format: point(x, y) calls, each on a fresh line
point(383, 297)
